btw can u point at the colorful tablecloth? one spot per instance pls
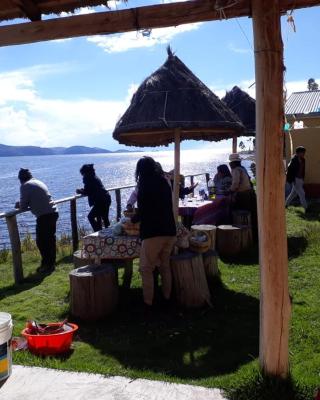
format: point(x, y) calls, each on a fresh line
point(104, 244)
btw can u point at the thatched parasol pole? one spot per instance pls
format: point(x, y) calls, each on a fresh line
point(274, 295)
point(234, 144)
point(176, 172)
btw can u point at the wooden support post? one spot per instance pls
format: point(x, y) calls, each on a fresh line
point(191, 183)
point(15, 248)
point(176, 172)
point(118, 201)
point(274, 295)
point(74, 224)
point(234, 144)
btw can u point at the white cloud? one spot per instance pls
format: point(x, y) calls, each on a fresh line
point(239, 50)
point(131, 40)
point(26, 118)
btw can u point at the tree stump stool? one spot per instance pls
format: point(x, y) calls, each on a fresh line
point(229, 240)
point(189, 280)
point(127, 265)
point(78, 261)
point(232, 239)
point(209, 230)
point(242, 219)
point(93, 291)
point(210, 263)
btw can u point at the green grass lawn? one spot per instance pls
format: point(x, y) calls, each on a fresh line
point(215, 347)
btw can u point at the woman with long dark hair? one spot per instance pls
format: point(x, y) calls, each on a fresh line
point(157, 226)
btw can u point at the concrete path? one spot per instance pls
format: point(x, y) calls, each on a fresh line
point(31, 383)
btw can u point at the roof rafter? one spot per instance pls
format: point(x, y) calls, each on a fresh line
point(155, 16)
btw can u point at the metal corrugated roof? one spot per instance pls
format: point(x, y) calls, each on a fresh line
point(303, 102)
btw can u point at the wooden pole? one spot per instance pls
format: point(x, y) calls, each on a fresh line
point(118, 201)
point(234, 144)
point(191, 183)
point(274, 295)
point(74, 225)
point(15, 248)
point(176, 172)
point(129, 19)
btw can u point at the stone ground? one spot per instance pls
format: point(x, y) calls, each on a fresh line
point(33, 383)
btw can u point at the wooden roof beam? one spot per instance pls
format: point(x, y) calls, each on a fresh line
point(147, 17)
point(29, 8)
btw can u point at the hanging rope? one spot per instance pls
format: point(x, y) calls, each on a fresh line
point(220, 6)
point(291, 22)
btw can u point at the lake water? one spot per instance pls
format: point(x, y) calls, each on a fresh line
point(61, 174)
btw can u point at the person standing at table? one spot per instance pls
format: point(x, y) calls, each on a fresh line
point(98, 197)
point(35, 195)
point(157, 227)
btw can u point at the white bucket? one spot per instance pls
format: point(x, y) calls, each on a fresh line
point(6, 327)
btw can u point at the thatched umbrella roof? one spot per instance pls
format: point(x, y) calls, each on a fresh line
point(244, 106)
point(170, 98)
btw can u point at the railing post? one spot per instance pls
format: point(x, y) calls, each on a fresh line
point(191, 183)
point(118, 201)
point(207, 178)
point(74, 225)
point(15, 248)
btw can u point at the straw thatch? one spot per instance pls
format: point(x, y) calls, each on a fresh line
point(18, 9)
point(170, 98)
point(244, 106)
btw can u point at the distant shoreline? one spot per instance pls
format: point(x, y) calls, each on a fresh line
point(25, 151)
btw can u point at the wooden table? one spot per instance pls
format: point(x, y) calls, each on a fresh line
point(120, 250)
point(187, 208)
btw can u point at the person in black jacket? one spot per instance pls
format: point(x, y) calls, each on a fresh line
point(157, 226)
point(295, 176)
point(98, 197)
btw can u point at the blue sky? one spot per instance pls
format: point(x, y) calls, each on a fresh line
point(71, 92)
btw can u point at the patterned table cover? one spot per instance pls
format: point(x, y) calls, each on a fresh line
point(106, 245)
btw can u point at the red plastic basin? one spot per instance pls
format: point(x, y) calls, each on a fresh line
point(52, 344)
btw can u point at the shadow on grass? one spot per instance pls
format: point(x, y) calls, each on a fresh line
point(29, 282)
point(250, 257)
point(313, 213)
point(260, 387)
point(186, 344)
point(296, 246)
point(66, 260)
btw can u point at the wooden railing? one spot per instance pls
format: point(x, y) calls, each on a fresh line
point(13, 229)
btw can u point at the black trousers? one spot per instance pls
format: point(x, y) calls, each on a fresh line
point(98, 213)
point(46, 238)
